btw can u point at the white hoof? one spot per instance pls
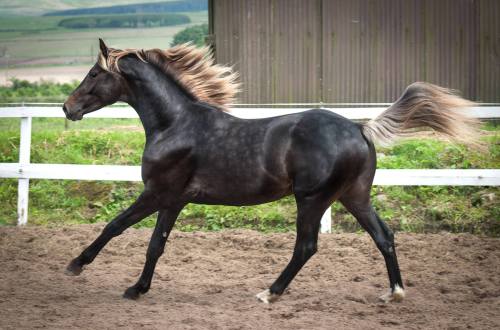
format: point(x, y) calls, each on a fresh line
point(267, 297)
point(397, 295)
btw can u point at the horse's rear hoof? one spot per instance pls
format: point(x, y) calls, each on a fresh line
point(74, 268)
point(267, 297)
point(396, 295)
point(131, 293)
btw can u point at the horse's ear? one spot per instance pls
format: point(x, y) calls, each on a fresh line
point(104, 48)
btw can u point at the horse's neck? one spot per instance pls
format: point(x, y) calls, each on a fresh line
point(159, 102)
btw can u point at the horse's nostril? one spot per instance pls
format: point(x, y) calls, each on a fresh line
point(64, 109)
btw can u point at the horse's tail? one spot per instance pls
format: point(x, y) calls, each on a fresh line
point(423, 105)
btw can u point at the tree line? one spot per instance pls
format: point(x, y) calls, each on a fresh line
point(124, 21)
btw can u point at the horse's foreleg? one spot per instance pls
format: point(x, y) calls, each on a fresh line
point(384, 239)
point(145, 205)
point(164, 224)
point(308, 221)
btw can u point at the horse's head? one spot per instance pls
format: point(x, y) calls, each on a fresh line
point(99, 88)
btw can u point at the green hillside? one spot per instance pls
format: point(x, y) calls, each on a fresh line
point(140, 8)
point(40, 7)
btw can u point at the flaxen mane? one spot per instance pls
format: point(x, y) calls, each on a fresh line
point(191, 66)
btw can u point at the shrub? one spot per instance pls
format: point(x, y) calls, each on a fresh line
point(195, 34)
point(42, 91)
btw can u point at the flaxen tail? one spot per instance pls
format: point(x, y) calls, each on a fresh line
point(424, 105)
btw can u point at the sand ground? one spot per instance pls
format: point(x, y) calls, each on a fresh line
point(208, 281)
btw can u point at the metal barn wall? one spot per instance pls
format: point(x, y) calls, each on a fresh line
point(331, 51)
point(488, 85)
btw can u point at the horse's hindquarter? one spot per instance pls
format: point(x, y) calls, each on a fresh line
point(328, 152)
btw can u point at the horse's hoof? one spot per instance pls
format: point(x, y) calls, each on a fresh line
point(267, 297)
point(132, 293)
point(74, 268)
point(396, 295)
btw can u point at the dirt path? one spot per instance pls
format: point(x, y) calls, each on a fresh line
point(208, 281)
point(60, 74)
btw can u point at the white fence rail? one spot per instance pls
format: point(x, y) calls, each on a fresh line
point(24, 170)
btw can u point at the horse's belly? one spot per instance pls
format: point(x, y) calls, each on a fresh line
point(237, 189)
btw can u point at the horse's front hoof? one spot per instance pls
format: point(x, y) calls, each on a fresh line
point(396, 295)
point(132, 293)
point(74, 268)
point(267, 297)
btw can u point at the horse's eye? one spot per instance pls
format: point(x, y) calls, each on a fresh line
point(93, 74)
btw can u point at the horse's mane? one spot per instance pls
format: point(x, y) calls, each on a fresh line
point(192, 67)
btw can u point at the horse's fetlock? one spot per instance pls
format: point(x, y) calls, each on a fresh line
point(143, 287)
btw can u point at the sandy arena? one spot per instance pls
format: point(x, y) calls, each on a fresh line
point(209, 281)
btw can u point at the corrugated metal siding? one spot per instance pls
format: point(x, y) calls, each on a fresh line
point(488, 87)
point(297, 52)
point(450, 44)
point(358, 50)
point(277, 55)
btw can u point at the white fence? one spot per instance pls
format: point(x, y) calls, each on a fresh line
point(24, 170)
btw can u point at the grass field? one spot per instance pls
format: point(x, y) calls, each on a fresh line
point(69, 44)
point(38, 40)
point(28, 45)
point(120, 141)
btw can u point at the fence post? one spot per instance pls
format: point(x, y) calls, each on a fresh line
point(326, 221)
point(24, 159)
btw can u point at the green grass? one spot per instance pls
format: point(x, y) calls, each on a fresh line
point(427, 153)
point(120, 141)
point(116, 141)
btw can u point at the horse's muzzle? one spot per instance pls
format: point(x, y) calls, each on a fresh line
point(75, 115)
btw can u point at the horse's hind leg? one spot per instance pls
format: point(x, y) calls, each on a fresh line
point(141, 208)
point(309, 212)
point(357, 201)
point(164, 224)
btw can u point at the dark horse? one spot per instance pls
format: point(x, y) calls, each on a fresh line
point(196, 153)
